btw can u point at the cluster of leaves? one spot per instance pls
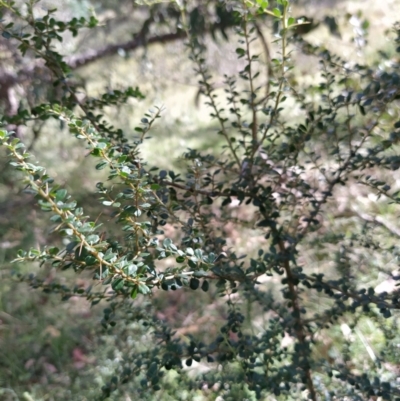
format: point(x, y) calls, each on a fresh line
point(285, 169)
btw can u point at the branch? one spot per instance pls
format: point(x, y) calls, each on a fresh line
point(76, 61)
point(193, 189)
point(140, 40)
point(299, 325)
point(378, 220)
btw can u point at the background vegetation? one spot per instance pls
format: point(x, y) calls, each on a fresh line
point(58, 342)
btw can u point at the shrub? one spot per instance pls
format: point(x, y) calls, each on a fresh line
point(296, 285)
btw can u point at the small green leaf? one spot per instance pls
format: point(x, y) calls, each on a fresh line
point(53, 250)
point(90, 260)
point(134, 292)
point(101, 145)
point(277, 12)
point(143, 289)
point(101, 165)
point(61, 194)
point(109, 255)
point(131, 270)
point(167, 242)
point(194, 283)
point(71, 246)
point(93, 239)
point(240, 52)
point(263, 4)
point(93, 22)
point(117, 284)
